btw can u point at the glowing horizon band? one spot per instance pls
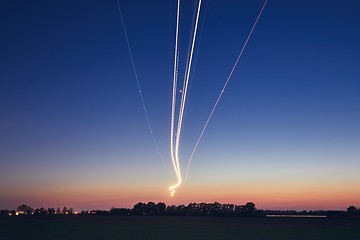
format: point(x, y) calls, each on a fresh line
point(223, 89)
point(182, 104)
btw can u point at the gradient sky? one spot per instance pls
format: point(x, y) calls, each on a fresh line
point(285, 135)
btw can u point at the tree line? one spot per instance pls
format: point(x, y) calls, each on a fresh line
point(27, 210)
point(193, 209)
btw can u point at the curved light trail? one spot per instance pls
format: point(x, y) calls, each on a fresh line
point(175, 152)
point(175, 132)
point(173, 105)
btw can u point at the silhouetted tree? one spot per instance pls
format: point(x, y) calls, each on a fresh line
point(160, 208)
point(41, 211)
point(249, 207)
point(51, 210)
point(180, 210)
point(120, 211)
point(192, 209)
point(4, 212)
point(65, 210)
point(351, 210)
point(227, 210)
point(139, 209)
point(150, 209)
point(71, 211)
point(171, 210)
point(24, 209)
point(247, 210)
point(99, 212)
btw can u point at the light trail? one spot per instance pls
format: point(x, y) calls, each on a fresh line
point(173, 105)
point(175, 152)
point(139, 87)
point(223, 89)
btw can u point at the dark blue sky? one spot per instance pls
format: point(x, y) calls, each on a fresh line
point(70, 112)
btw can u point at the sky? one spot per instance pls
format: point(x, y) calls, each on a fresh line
point(73, 131)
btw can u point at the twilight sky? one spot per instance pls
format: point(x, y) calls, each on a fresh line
point(73, 132)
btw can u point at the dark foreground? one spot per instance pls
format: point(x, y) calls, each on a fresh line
point(132, 227)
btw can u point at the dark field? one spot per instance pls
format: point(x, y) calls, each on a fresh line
point(117, 227)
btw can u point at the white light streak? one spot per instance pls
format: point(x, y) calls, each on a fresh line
point(175, 152)
point(223, 89)
point(173, 105)
point(139, 87)
point(175, 132)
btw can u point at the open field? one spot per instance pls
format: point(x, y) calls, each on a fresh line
point(132, 227)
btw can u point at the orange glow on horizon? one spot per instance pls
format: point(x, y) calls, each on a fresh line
point(297, 196)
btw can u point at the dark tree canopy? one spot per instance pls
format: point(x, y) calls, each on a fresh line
point(193, 209)
point(25, 209)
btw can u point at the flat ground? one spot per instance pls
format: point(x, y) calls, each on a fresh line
point(117, 227)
